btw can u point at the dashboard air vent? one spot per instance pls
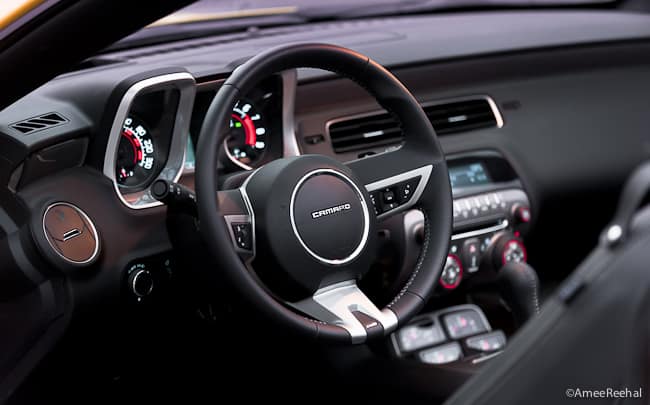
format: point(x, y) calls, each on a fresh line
point(372, 131)
point(460, 116)
point(364, 133)
point(44, 121)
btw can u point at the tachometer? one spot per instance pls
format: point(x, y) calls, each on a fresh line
point(135, 155)
point(247, 141)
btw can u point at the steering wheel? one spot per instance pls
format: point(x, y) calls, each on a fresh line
point(313, 220)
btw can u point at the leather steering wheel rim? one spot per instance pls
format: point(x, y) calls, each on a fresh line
point(420, 149)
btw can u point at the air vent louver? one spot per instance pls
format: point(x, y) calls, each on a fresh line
point(377, 130)
point(461, 116)
point(44, 121)
point(364, 133)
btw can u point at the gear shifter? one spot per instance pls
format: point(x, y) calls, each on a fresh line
point(519, 288)
point(516, 281)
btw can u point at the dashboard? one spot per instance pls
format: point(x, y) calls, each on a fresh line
point(540, 113)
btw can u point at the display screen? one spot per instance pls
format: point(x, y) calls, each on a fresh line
point(190, 160)
point(468, 175)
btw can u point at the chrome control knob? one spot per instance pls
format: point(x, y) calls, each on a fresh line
point(141, 283)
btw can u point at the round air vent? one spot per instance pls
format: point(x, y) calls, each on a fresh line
point(71, 233)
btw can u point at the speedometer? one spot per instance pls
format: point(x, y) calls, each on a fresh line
point(247, 142)
point(135, 155)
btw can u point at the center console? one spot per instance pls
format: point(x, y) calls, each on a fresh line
point(491, 216)
point(453, 334)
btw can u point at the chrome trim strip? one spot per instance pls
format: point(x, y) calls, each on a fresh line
point(173, 168)
point(88, 220)
point(364, 206)
point(486, 357)
point(493, 106)
point(424, 172)
point(482, 231)
point(334, 305)
point(289, 141)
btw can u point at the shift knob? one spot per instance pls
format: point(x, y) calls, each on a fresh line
point(519, 287)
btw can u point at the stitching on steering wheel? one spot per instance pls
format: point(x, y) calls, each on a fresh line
point(418, 266)
point(533, 284)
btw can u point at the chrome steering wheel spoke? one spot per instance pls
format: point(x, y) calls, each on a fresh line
point(344, 304)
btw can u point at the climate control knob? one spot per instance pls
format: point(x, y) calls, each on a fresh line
point(452, 273)
point(513, 252)
point(506, 248)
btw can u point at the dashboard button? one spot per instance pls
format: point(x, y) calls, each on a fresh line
point(471, 255)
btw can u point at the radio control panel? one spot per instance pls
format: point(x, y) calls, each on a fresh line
point(486, 224)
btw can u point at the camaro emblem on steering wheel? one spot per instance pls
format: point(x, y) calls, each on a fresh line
point(331, 210)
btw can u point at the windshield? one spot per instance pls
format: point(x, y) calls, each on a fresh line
point(210, 10)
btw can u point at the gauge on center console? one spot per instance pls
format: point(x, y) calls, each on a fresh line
point(135, 162)
point(247, 141)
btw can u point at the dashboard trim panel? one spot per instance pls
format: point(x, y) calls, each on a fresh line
point(186, 85)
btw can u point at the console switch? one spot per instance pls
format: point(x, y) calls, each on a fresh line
point(471, 255)
point(447, 353)
point(464, 323)
point(488, 342)
point(420, 335)
point(243, 235)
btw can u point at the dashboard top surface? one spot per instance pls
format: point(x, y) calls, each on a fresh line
point(409, 40)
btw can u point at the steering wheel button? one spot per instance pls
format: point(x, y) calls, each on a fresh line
point(243, 235)
point(406, 189)
point(375, 199)
point(388, 207)
point(389, 196)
